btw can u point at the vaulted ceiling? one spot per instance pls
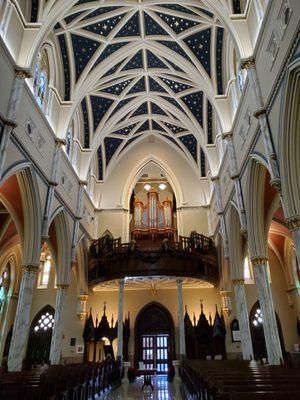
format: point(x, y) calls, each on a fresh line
point(140, 67)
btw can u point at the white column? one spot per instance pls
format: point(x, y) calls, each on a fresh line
point(13, 108)
point(120, 319)
point(57, 336)
point(293, 224)
point(260, 267)
point(243, 318)
point(21, 324)
point(182, 350)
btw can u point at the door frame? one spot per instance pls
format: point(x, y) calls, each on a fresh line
point(170, 332)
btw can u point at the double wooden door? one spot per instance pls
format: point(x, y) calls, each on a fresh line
point(155, 352)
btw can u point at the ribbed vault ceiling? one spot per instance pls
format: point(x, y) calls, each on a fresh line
point(137, 67)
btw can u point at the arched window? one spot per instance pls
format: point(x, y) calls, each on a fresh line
point(41, 78)
point(39, 339)
point(4, 284)
point(45, 270)
point(248, 275)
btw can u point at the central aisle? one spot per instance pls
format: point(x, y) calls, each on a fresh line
point(163, 390)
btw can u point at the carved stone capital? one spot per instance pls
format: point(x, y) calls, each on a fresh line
point(227, 135)
point(259, 261)
point(260, 112)
point(31, 268)
point(83, 297)
point(240, 281)
point(293, 223)
point(23, 73)
point(62, 286)
point(214, 178)
point(83, 183)
point(248, 63)
point(7, 122)
point(60, 142)
point(53, 183)
point(276, 184)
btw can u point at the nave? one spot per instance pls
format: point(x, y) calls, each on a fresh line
point(163, 390)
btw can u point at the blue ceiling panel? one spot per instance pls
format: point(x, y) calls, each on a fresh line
point(157, 110)
point(84, 50)
point(125, 131)
point(100, 164)
point(100, 105)
point(111, 145)
point(104, 28)
point(175, 86)
point(136, 62)
point(190, 143)
point(143, 109)
point(154, 61)
point(178, 24)
point(117, 88)
point(194, 102)
point(138, 87)
point(199, 43)
point(155, 86)
point(131, 28)
point(152, 27)
point(144, 127)
point(86, 128)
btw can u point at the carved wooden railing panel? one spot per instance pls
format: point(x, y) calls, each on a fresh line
point(193, 256)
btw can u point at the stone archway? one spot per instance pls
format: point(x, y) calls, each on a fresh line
point(154, 336)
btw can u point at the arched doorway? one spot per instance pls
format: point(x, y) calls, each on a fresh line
point(154, 338)
point(257, 332)
point(40, 334)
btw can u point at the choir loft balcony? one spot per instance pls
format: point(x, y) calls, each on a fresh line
point(189, 257)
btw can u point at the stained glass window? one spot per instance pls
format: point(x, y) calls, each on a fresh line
point(4, 284)
point(41, 76)
point(44, 323)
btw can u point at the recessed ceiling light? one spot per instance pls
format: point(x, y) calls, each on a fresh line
point(162, 186)
point(147, 186)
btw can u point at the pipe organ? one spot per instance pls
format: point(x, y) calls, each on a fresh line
point(154, 218)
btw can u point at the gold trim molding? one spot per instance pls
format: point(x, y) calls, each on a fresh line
point(30, 268)
point(23, 73)
point(240, 281)
point(62, 286)
point(248, 63)
point(293, 223)
point(259, 261)
point(83, 297)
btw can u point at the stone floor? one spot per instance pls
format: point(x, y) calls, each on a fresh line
point(163, 390)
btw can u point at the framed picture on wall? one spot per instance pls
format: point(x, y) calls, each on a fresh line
point(80, 349)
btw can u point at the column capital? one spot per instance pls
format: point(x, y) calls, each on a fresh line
point(23, 73)
point(227, 135)
point(31, 267)
point(82, 182)
point(240, 281)
point(214, 178)
point(276, 183)
point(248, 63)
point(260, 112)
point(60, 142)
point(83, 297)
point(179, 280)
point(121, 282)
point(62, 286)
point(258, 261)
point(7, 122)
point(293, 223)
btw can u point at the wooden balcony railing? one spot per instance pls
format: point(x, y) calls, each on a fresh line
point(193, 256)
